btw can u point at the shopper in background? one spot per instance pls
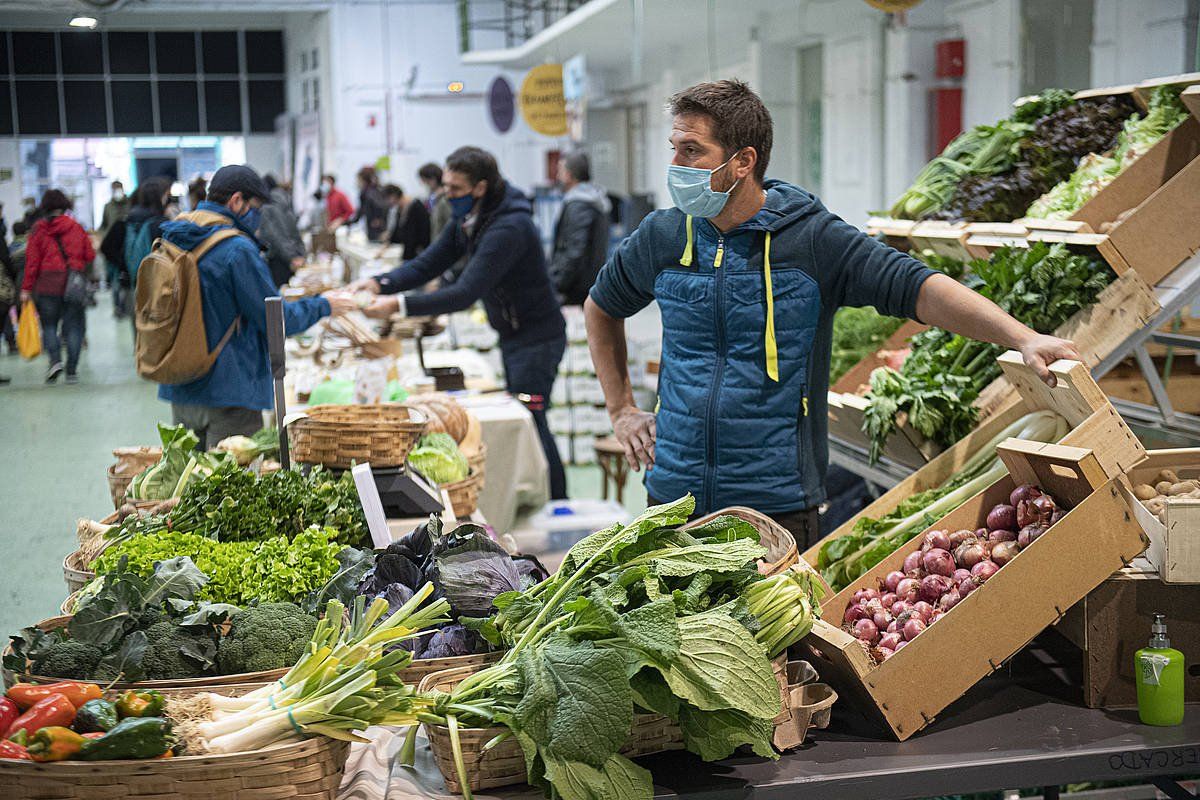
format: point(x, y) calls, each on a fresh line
point(234, 280)
point(197, 189)
point(57, 247)
point(372, 205)
point(112, 224)
point(338, 208)
point(9, 291)
point(30, 213)
point(16, 257)
point(581, 234)
point(748, 273)
point(407, 223)
point(145, 224)
point(436, 203)
point(279, 233)
point(506, 269)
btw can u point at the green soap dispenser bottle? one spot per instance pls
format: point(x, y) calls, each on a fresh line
point(1159, 672)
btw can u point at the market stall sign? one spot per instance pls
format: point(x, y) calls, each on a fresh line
point(542, 103)
point(501, 105)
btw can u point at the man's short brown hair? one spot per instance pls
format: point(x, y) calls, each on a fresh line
point(739, 118)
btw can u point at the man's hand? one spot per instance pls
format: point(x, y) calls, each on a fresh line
point(364, 285)
point(340, 303)
point(383, 307)
point(635, 430)
point(1040, 351)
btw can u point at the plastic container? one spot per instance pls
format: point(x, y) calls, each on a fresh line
point(567, 521)
point(1158, 670)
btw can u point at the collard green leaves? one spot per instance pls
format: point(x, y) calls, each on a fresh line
point(720, 665)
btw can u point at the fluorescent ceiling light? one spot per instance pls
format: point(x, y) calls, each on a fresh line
point(81, 21)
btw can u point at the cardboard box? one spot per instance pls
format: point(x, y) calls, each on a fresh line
point(1094, 424)
point(1174, 544)
point(1113, 622)
point(1096, 537)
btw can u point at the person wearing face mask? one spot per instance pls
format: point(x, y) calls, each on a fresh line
point(338, 208)
point(748, 273)
point(506, 268)
point(234, 282)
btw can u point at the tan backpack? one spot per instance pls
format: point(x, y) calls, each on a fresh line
point(172, 345)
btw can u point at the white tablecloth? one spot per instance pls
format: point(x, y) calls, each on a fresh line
point(517, 472)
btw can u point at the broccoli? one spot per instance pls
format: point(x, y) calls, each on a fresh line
point(69, 658)
point(265, 637)
point(175, 652)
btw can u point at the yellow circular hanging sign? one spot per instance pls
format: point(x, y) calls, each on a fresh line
point(543, 106)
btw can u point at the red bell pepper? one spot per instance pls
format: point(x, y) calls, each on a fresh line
point(9, 711)
point(77, 692)
point(13, 750)
point(53, 711)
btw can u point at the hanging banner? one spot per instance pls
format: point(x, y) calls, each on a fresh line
point(306, 170)
point(542, 104)
point(501, 104)
point(575, 92)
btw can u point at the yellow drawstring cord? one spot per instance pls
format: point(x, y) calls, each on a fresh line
point(771, 347)
point(686, 259)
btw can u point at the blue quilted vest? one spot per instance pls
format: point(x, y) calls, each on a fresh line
point(733, 425)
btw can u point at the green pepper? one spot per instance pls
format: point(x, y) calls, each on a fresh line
point(133, 737)
point(55, 743)
point(144, 703)
point(96, 715)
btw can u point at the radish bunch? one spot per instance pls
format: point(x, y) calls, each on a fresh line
point(947, 567)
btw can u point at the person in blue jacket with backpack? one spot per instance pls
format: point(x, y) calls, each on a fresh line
point(235, 282)
point(748, 273)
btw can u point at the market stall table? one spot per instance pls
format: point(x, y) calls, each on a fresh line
point(1005, 734)
point(517, 473)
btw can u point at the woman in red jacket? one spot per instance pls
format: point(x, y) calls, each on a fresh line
point(57, 245)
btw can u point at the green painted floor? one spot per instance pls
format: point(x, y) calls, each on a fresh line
point(56, 443)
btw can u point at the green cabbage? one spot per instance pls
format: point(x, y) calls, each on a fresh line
point(438, 458)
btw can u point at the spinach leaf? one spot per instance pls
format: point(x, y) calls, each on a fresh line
point(720, 665)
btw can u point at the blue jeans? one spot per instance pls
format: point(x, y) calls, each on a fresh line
point(531, 369)
point(53, 312)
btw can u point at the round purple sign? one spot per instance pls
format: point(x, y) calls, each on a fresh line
point(501, 106)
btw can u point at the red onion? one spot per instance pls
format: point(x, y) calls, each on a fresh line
point(981, 534)
point(934, 586)
point(887, 652)
point(936, 616)
point(881, 619)
point(893, 580)
point(862, 595)
point(958, 537)
point(938, 562)
point(900, 646)
point(1026, 491)
point(1057, 515)
point(865, 629)
point(960, 575)
point(1002, 536)
point(890, 640)
point(925, 610)
point(984, 570)
point(908, 589)
point(1028, 534)
point(900, 606)
point(949, 600)
point(912, 561)
point(967, 585)
point(1002, 516)
point(935, 539)
point(1004, 552)
point(1036, 510)
point(854, 612)
point(893, 626)
point(969, 553)
point(888, 600)
point(913, 628)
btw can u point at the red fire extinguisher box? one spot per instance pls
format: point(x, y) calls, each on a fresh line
point(950, 58)
point(945, 117)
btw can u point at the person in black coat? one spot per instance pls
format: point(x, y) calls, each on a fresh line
point(581, 234)
point(506, 269)
point(407, 222)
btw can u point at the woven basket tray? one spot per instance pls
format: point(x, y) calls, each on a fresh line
point(341, 436)
point(478, 461)
point(504, 764)
point(75, 572)
point(194, 684)
point(781, 545)
point(416, 672)
point(307, 770)
point(118, 485)
point(464, 495)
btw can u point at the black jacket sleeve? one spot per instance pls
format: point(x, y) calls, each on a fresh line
point(570, 270)
point(442, 255)
point(499, 252)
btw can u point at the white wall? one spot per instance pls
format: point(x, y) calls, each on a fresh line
point(1134, 41)
point(263, 153)
point(10, 190)
point(992, 29)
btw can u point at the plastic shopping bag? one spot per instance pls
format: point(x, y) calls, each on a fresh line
point(29, 332)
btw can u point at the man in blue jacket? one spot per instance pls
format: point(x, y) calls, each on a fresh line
point(235, 282)
point(506, 268)
point(748, 273)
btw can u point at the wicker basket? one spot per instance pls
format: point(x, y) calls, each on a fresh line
point(341, 436)
point(194, 684)
point(75, 572)
point(307, 770)
point(478, 461)
point(781, 545)
point(416, 672)
point(464, 495)
point(68, 606)
point(504, 764)
point(118, 485)
point(132, 461)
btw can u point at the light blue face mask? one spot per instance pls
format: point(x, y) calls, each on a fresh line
point(692, 192)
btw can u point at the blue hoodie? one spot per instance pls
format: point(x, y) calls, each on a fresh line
point(742, 388)
point(235, 281)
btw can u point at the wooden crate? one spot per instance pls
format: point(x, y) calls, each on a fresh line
point(894, 231)
point(1094, 424)
point(1129, 89)
point(1096, 537)
point(944, 238)
point(1146, 87)
point(985, 238)
point(1191, 99)
point(1113, 622)
point(1174, 545)
point(1126, 382)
